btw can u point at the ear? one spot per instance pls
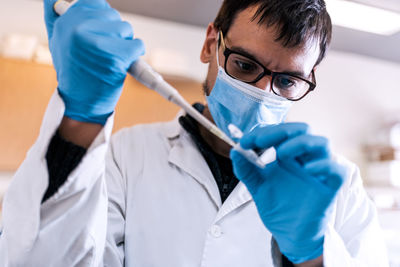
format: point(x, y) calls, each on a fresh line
point(315, 71)
point(208, 50)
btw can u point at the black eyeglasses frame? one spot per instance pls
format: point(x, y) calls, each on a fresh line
point(227, 52)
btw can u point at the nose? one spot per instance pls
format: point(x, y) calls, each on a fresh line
point(265, 83)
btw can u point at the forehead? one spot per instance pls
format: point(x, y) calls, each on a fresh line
point(259, 40)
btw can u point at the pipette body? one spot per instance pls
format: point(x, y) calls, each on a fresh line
point(153, 80)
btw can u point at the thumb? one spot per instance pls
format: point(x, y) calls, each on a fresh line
point(49, 16)
point(135, 49)
point(93, 3)
point(245, 171)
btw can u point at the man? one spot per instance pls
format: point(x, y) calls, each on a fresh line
point(168, 194)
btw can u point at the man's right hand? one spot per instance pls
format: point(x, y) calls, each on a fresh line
point(92, 49)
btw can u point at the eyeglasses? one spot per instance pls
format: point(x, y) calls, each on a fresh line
point(245, 69)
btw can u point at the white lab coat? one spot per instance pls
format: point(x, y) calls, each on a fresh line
point(146, 197)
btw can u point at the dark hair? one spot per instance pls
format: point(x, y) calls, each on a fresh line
point(296, 21)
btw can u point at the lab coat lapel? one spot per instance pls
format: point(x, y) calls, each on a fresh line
point(185, 155)
point(239, 197)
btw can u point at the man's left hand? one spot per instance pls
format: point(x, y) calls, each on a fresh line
point(294, 195)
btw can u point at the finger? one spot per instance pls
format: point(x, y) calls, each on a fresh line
point(316, 154)
point(49, 16)
point(135, 49)
point(305, 148)
point(328, 172)
point(49, 4)
point(244, 170)
point(110, 53)
point(128, 51)
point(87, 13)
point(273, 135)
point(93, 3)
point(119, 29)
point(108, 42)
point(79, 10)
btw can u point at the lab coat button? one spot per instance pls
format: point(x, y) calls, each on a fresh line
point(216, 231)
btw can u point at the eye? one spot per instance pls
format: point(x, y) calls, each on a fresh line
point(244, 66)
point(285, 82)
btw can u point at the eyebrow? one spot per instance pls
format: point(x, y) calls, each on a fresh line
point(252, 57)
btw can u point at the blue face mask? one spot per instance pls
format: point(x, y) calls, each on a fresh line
point(243, 105)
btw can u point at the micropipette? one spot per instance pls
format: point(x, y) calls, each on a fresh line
point(145, 74)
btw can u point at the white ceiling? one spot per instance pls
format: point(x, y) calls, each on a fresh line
point(200, 13)
point(393, 5)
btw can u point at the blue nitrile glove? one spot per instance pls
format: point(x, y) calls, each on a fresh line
point(92, 49)
point(294, 195)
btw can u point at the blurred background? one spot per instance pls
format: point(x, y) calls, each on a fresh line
point(356, 103)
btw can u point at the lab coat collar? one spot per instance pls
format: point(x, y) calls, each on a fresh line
point(239, 197)
point(185, 155)
point(172, 128)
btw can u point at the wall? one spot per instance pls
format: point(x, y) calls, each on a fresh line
point(355, 96)
point(162, 38)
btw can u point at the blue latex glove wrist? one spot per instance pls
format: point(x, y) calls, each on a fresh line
point(295, 194)
point(92, 49)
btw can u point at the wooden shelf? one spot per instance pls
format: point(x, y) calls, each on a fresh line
point(26, 87)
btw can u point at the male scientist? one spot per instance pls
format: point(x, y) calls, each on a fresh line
point(172, 194)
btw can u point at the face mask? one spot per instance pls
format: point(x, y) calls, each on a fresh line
point(243, 105)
